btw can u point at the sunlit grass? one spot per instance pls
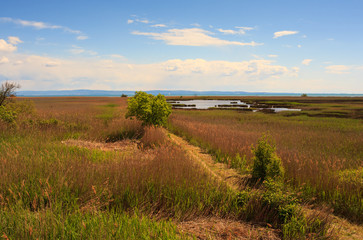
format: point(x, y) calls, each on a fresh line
point(60, 190)
point(313, 149)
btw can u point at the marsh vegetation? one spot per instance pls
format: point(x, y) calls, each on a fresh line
point(74, 167)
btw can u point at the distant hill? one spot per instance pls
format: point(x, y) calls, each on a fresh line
point(106, 93)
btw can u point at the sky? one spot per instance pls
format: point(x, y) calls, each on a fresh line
point(311, 46)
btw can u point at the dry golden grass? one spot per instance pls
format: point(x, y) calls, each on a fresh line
point(69, 163)
point(313, 150)
point(219, 229)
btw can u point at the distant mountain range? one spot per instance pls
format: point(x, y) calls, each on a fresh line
point(106, 93)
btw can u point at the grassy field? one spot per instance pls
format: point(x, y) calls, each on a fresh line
point(321, 147)
point(75, 168)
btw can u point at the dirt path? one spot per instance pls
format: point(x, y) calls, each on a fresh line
point(219, 228)
point(343, 229)
point(218, 170)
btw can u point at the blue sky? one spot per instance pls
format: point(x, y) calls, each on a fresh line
point(275, 46)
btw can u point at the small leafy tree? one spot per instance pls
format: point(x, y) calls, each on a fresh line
point(266, 164)
point(7, 113)
point(150, 109)
point(7, 90)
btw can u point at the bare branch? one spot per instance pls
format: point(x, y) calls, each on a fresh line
point(7, 89)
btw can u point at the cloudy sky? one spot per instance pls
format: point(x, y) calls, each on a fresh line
point(277, 46)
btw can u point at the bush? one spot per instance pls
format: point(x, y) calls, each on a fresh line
point(266, 164)
point(7, 115)
point(150, 109)
point(16, 111)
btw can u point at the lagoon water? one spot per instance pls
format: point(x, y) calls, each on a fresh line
point(206, 104)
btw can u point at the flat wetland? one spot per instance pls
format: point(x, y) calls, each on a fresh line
point(75, 168)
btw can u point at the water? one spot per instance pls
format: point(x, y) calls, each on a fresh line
point(207, 104)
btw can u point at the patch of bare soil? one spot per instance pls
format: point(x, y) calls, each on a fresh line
point(218, 170)
point(121, 146)
point(345, 230)
point(217, 228)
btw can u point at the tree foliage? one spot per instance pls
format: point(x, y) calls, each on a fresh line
point(150, 109)
point(7, 89)
point(266, 163)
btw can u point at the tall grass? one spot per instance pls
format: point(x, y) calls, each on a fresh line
point(52, 190)
point(313, 150)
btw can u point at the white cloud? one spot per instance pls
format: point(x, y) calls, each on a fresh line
point(25, 23)
point(44, 73)
point(40, 25)
point(347, 69)
point(4, 60)
point(14, 40)
point(18, 62)
point(295, 69)
point(228, 31)
point(191, 37)
point(136, 19)
point(76, 50)
point(256, 56)
point(143, 21)
point(246, 28)
point(240, 30)
point(284, 33)
point(82, 37)
point(273, 56)
point(306, 62)
point(11, 46)
point(158, 25)
point(195, 25)
point(117, 56)
point(51, 64)
point(299, 46)
point(338, 69)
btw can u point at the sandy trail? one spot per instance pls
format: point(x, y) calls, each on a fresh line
point(219, 171)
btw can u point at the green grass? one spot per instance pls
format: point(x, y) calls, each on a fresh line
point(47, 224)
point(314, 150)
point(52, 190)
point(108, 113)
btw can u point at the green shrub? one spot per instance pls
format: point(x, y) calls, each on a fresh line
point(150, 109)
point(7, 115)
point(14, 111)
point(266, 164)
point(280, 200)
point(242, 198)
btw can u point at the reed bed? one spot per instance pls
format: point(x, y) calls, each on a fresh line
point(314, 151)
point(52, 190)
